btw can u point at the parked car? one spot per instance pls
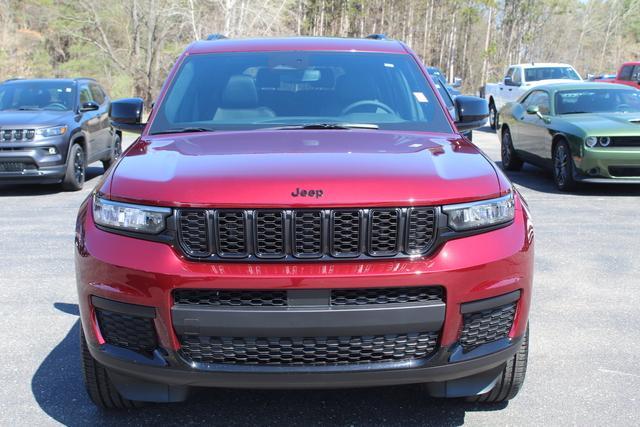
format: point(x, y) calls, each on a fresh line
point(449, 101)
point(585, 132)
point(437, 74)
point(310, 217)
point(519, 79)
point(52, 128)
point(628, 74)
point(602, 78)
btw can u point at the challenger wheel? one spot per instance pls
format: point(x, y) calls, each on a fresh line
point(511, 379)
point(76, 169)
point(510, 160)
point(563, 167)
point(99, 387)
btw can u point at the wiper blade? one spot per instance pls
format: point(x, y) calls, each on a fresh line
point(184, 130)
point(322, 126)
point(29, 109)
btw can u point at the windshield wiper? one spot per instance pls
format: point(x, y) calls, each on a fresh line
point(323, 126)
point(577, 112)
point(29, 109)
point(184, 130)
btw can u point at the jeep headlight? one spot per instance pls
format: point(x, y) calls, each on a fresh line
point(52, 131)
point(485, 213)
point(129, 217)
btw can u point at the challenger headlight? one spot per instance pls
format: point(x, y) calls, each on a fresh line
point(128, 217)
point(591, 141)
point(53, 131)
point(485, 213)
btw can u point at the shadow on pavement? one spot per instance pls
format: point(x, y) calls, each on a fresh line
point(43, 189)
point(58, 388)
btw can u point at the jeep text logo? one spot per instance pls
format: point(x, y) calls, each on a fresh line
point(307, 193)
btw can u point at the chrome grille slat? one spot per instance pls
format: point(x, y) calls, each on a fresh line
point(299, 234)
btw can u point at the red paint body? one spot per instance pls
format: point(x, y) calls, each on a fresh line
point(255, 169)
point(620, 79)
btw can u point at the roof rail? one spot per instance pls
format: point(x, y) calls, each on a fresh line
point(380, 36)
point(216, 36)
point(85, 78)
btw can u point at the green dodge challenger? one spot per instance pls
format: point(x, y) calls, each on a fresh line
point(584, 132)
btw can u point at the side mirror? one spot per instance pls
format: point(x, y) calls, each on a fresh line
point(472, 112)
point(89, 106)
point(457, 82)
point(126, 114)
point(533, 109)
point(508, 81)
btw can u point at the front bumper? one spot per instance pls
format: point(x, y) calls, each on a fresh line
point(607, 165)
point(32, 162)
point(471, 270)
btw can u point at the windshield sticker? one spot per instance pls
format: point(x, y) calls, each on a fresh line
point(420, 97)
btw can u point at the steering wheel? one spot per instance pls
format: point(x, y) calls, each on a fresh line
point(56, 106)
point(370, 102)
point(623, 107)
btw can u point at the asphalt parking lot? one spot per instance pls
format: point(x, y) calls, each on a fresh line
point(585, 335)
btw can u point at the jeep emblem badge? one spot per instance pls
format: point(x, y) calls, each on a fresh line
point(307, 193)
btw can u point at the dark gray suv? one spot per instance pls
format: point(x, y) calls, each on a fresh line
point(50, 130)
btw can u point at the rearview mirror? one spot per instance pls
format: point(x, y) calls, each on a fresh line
point(89, 106)
point(126, 114)
point(472, 112)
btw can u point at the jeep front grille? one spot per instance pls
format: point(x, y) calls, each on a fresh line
point(306, 233)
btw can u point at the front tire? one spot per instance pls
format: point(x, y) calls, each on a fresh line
point(493, 116)
point(563, 167)
point(511, 379)
point(510, 159)
point(76, 169)
point(99, 387)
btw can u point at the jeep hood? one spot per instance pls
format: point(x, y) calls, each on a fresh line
point(264, 168)
point(11, 119)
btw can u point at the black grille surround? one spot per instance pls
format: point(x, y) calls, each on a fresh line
point(306, 234)
point(624, 141)
point(317, 351)
point(131, 332)
point(486, 326)
point(624, 171)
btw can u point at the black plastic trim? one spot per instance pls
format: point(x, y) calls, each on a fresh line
point(488, 303)
point(307, 321)
point(124, 308)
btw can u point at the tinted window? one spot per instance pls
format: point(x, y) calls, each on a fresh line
point(85, 94)
point(550, 73)
point(96, 93)
point(539, 99)
point(442, 90)
point(635, 75)
point(251, 90)
point(625, 73)
point(597, 101)
point(37, 95)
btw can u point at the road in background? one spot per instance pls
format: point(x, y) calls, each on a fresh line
point(585, 340)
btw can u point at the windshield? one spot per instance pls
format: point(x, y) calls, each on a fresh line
point(550, 73)
point(37, 95)
point(597, 101)
point(250, 90)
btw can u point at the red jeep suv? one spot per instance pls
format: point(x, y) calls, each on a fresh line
point(302, 213)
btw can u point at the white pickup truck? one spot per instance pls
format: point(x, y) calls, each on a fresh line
point(519, 79)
